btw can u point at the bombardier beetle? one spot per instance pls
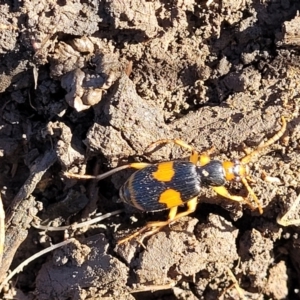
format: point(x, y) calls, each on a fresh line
point(170, 184)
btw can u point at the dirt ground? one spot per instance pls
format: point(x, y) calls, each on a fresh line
point(86, 86)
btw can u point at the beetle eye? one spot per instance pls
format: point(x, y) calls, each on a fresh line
point(237, 179)
point(236, 170)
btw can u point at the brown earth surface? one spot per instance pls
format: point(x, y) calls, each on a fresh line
point(86, 86)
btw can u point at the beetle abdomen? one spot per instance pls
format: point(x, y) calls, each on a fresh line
point(161, 186)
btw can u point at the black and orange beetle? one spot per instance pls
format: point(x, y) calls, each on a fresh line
point(167, 185)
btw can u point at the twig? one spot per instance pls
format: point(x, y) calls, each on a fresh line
point(78, 225)
point(33, 257)
point(235, 284)
point(21, 211)
point(38, 169)
point(153, 288)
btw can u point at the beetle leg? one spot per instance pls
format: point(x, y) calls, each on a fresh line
point(191, 207)
point(137, 166)
point(222, 191)
point(193, 157)
point(158, 225)
point(251, 192)
point(204, 158)
point(178, 142)
point(271, 141)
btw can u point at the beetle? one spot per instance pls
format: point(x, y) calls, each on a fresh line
point(170, 184)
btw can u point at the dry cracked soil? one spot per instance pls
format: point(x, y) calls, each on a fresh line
point(86, 86)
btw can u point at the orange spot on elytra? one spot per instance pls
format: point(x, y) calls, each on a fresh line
point(170, 198)
point(165, 171)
